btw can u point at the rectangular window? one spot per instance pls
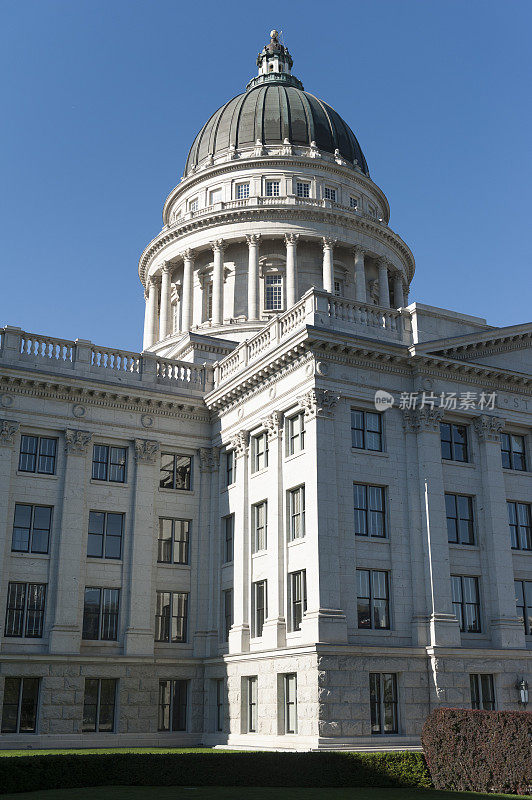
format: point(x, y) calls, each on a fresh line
point(523, 603)
point(303, 189)
point(229, 535)
point(100, 614)
point(272, 188)
point(273, 293)
point(453, 442)
point(174, 541)
point(460, 525)
point(366, 430)
point(230, 468)
point(99, 705)
point(466, 602)
point(193, 204)
point(173, 697)
point(338, 288)
point(353, 203)
point(330, 194)
point(372, 210)
point(228, 612)
point(482, 692)
point(215, 196)
point(296, 434)
point(220, 704)
point(252, 705)
point(370, 510)
point(290, 703)
point(21, 701)
point(175, 471)
point(259, 531)
point(513, 452)
point(105, 534)
point(207, 299)
point(259, 609)
point(373, 599)
point(109, 463)
point(296, 511)
point(37, 454)
point(259, 452)
point(171, 614)
point(31, 528)
point(297, 587)
point(25, 610)
point(242, 191)
point(520, 519)
point(383, 702)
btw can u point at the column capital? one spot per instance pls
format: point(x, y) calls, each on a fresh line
point(8, 431)
point(77, 442)
point(253, 238)
point(318, 403)
point(291, 238)
point(328, 242)
point(383, 262)
point(167, 267)
point(146, 451)
point(488, 427)
point(416, 420)
point(209, 458)
point(218, 246)
point(273, 424)
point(154, 280)
point(359, 251)
point(240, 443)
point(188, 254)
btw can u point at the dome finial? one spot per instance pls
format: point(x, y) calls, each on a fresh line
point(274, 58)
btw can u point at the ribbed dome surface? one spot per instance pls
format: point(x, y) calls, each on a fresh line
point(272, 113)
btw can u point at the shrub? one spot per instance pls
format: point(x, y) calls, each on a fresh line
point(479, 751)
point(213, 768)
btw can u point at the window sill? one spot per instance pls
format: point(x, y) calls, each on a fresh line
point(101, 559)
point(227, 563)
point(166, 565)
point(23, 474)
point(117, 484)
point(509, 471)
point(453, 463)
point(518, 551)
point(381, 539)
point(100, 643)
point(173, 491)
point(24, 554)
point(294, 455)
point(458, 546)
point(366, 451)
point(295, 542)
point(375, 631)
point(259, 472)
point(260, 553)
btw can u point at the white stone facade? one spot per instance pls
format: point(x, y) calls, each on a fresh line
point(226, 373)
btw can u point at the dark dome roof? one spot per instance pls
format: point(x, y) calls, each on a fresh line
point(272, 112)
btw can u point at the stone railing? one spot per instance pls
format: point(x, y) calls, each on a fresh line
point(81, 358)
point(319, 309)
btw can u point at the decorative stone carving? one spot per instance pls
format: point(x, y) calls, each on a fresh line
point(77, 442)
point(318, 403)
point(488, 427)
point(422, 419)
point(287, 148)
point(273, 424)
point(8, 430)
point(313, 151)
point(78, 410)
point(240, 442)
point(146, 451)
point(218, 246)
point(291, 238)
point(259, 149)
point(359, 251)
point(209, 458)
point(253, 238)
point(188, 254)
point(328, 242)
point(374, 291)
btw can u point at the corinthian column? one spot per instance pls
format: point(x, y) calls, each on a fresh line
point(147, 320)
point(164, 319)
point(328, 245)
point(186, 311)
point(291, 268)
point(151, 312)
point(384, 291)
point(218, 282)
point(360, 275)
point(398, 290)
point(253, 275)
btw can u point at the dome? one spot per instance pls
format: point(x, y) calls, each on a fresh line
point(275, 108)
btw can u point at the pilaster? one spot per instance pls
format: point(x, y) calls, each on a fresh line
point(8, 435)
point(206, 632)
point(239, 635)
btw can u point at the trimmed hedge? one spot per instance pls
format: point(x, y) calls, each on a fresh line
point(37, 773)
point(479, 751)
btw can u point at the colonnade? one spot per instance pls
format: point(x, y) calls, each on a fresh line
point(158, 316)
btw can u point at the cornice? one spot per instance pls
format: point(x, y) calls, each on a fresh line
point(277, 160)
point(62, 389)
point(362, 224)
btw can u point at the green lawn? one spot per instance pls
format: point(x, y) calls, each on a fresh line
point(112, 750)
point(243, 793)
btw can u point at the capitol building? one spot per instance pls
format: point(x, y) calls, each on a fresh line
point(300, 518)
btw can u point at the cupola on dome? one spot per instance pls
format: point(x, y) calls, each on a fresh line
point(274, 110)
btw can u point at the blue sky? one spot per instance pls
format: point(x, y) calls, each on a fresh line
point(102, 99)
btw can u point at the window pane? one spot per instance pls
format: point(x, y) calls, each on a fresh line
point(47, 449)
point(100, 455)
point(90, 704)
point(28, 706)
point(91, 614)
point(164, 706)
point(107, 705)
point(167, 471)
point(117, 464)
point(182, 472)
point(28, 453)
